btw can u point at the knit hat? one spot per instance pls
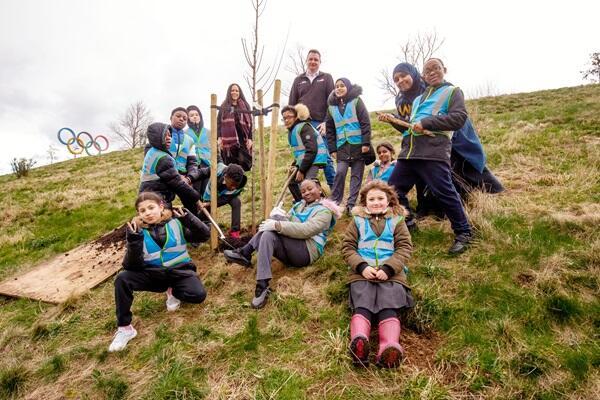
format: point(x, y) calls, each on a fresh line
point(234, 172)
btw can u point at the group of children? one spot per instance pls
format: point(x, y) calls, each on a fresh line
point(377, 243)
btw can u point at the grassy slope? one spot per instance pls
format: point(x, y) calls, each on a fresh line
point(515, 317)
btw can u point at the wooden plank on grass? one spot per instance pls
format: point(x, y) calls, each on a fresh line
point(68, 275)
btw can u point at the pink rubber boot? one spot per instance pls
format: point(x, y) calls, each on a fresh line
point(360, 328)
point(390, 352)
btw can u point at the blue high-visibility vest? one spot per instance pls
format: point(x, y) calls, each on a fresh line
point(224, 192)
point(174, 251)
point(383, 175)
point(309, 211)
point(375, 250)
point(152, 158)
point(182, 145)
point(202, 144)
point(298, 149)
point(347, 126)
point(430, 103)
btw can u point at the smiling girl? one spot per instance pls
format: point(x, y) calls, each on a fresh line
point(377, 247)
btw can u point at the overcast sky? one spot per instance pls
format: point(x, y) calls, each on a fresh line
point(80, 63)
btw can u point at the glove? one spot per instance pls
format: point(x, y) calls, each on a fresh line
point(267, 225)
point(277, 212)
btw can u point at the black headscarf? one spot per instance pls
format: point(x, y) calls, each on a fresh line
point(404, 100)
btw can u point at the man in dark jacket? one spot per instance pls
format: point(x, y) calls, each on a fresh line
point(312, 88)
point(159, 173)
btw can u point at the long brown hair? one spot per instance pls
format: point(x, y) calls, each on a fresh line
point(389, 191)
point(152, 196)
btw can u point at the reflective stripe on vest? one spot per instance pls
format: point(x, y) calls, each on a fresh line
point(298, 149)
point(302, 216)
point(173, 253)
point(225, 192)
point(182, 145)
point(431, 103)
point(202, 144)
point(375, 250)
point(152, 158)
point(385, 175)
point(347, 127)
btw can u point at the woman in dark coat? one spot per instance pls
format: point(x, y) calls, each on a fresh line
point(234, 128)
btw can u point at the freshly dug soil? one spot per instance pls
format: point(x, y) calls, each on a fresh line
point(116, 238)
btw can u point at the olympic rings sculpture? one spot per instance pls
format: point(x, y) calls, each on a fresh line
point(83, 141)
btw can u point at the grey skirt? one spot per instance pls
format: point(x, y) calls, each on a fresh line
point(376, 296)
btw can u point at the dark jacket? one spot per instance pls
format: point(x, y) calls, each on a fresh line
point(194, 231)
point(171, 183)
point(394, 266)
point(307, 134)
point(436, 148)
point(205, 174)
point(348, 152)
point(313, 95)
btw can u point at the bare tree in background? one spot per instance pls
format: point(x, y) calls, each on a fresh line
point(52, 150)
point(593, 74)
point(258, 77)
point(296, 65)
point(132, 125)
point(416, 50)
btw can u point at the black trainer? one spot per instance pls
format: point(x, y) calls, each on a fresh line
point(235, 256)
point(461, 242)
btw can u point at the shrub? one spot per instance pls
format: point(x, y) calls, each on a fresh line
point(22, 166)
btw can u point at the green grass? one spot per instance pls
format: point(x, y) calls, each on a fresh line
point(515, 317)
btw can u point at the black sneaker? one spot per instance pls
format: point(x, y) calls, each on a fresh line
point(235, 256)
point(461, 243)
point(260, 299)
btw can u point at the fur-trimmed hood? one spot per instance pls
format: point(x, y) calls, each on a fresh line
point(167, 214)
point(353, 93)
point(302, 112)
point(332, 205)
point(361, 211)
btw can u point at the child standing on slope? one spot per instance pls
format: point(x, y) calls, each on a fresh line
point(377, 247)
point(156, 260)
point(348, 138)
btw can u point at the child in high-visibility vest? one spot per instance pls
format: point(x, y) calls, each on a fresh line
point(156, 260)
point(377, 247)
point(385, 163)
point(348, 138)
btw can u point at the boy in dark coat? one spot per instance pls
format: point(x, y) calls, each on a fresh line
point(159, 173)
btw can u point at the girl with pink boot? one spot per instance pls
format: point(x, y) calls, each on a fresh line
point(377, 247)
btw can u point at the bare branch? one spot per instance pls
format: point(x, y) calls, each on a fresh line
point(132, 125)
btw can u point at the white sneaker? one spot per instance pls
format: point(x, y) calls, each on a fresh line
point(172, 303)
point(121, 338)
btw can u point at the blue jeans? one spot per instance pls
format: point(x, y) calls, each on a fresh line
point(328, 170)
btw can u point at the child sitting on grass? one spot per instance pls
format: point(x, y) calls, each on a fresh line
point(156, 260)
point(376, 247)
point(385, 163)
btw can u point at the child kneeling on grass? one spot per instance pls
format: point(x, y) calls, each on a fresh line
point(376, 247)
point(156, 260)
